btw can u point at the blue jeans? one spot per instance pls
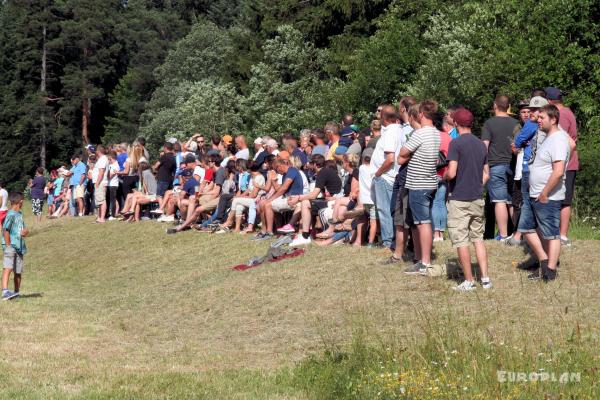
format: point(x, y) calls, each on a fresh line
point(419, 202)
point(382, 190)
point(498, 183)
point(545, 217)
point(439, 212)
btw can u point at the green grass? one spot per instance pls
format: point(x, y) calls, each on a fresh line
point(125, 311)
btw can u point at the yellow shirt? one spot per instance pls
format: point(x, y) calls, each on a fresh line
point(332, 150)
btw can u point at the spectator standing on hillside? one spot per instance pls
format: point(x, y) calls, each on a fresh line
point(568, 123)
point(37, 185)
point(384, 164)
point(467, 173)
point(77, 175)
point(3, 202)
point(497, 135)
point(547, 190)
point(99, 174)
point(13, 244)
point(165, 167)
point(421, 153)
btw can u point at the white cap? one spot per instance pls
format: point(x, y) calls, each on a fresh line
point(258, 141)
point(538, 102)
point(172, 140)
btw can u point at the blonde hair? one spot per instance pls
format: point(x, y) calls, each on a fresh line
point(295, 162)
point(135, 153)
point(352, 159)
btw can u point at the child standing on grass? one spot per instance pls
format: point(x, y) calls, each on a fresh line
point(13, 244)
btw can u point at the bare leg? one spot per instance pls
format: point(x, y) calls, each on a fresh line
point(536, 245)
point(553, 253)
point(565, 219)
point(5, 275)
point(501, 212)
point(17, 282)
point(482, 260)
point(269, 217)
point(464, 257)
point(372, 231)
point(400, 242)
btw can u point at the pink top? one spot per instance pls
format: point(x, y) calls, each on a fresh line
point(445, 140)
point(568, 123)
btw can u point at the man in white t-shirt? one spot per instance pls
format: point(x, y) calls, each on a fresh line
point(385, 169)
point(99, 175)
point(547, 190)
point(242, 148)
point(113, 185)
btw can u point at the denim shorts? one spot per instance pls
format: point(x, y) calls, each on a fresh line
point(500, 178)
point(545, 217)
point(419, 202)
point(162, 187)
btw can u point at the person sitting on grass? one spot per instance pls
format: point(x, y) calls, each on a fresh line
point(328, 184)
point(291, 185)
point(235, 184)
point(13, 244)
point(137, 198)
point(247, 201)
point(180, 196)
point(207, 200)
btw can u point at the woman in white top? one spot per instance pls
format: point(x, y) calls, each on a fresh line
point(247, 200)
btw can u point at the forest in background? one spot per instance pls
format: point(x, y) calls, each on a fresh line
point(85, 71)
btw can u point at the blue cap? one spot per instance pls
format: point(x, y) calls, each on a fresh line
point(553, 93)
point(341, 150)
point(186, 173)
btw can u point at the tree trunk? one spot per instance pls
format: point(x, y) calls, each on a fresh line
point(43, 95)
point(85, 110)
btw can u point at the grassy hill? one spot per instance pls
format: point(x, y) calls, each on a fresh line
point(124, 311)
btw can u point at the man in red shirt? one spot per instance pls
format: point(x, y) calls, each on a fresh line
point(568, 123)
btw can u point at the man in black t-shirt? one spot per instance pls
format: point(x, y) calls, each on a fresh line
point(327, 185)
point(467, 173)
point(165, 167)
point(497, 134)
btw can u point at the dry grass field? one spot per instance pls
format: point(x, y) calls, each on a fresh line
point(124, 311)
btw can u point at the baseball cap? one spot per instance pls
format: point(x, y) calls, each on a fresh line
point(90, 148)
point(524, 103)
point(341, 150)
point(227, 139)
point(553, 93)
point(347, 131)
point(258, 141)
point(272, 143)
point(537, 102)
point(463, 117)
point(186, 173)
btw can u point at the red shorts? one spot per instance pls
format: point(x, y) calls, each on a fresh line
point(2, 216)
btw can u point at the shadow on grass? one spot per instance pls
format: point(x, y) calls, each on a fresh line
point(31, 295)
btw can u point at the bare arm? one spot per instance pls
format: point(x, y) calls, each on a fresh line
point(404, 156)
point(451, 171)
point(486, 173)
point(281, 190)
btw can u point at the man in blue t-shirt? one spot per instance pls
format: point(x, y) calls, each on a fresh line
point(77, 175)
point(291, 185)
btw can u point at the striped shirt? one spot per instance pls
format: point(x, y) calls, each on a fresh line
point(424, 144)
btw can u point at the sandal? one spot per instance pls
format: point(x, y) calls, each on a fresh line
point(323, 236)
point(392, 260)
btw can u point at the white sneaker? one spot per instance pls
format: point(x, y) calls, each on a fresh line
point(300, 241)
point(168, 218)
point(486, 283)
point(466, 286)
point(112, 219)
point(438, 239)
point(157, 211)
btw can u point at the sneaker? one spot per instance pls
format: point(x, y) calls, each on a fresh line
point(486, 283)
point(549, 274)
point(501, 239)
point(146, 218)
point(416, 268)
point(535, 275)
point(466, 286)
point(112, 219)
point(529, 265)
point(391, 260)
point(157, 211)
point(511, 241)
point(171, 231)
point(266, 236)
point(438, 239)
point(565, 241)
point(286, 229)
point(167, 218)
point(7, 295)
point(300, 241)
point(223, 230)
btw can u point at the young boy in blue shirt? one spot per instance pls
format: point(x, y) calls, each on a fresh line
point(13, 244)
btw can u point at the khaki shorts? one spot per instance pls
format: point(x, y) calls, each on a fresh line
point(13, 260)
point(100, 195)
point(280, 204)
point(465, 222)
point(209, 203)
point(78, 192)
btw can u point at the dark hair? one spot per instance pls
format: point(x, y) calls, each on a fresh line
point(112, 154)
point(215, 158)
point(406, 102)
point(169, 146)
point(15, 197)
point(348, 119)
point(288, 136)
point(40, 170)
point(502, 102)
point(331, 164)
point(141, 140)
point(318, 160)
point(253, 166)
point(429, 108)
point(538, 92)
point(241, 164)
point(552, 111)
point(76, 155)
point(230, 167)
point(389, 113)
point(269, 159)
point(453, 107)
point(215, 139)
point(177, 147)
point(2, 183)
point(367, 159)
point(317, 134)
